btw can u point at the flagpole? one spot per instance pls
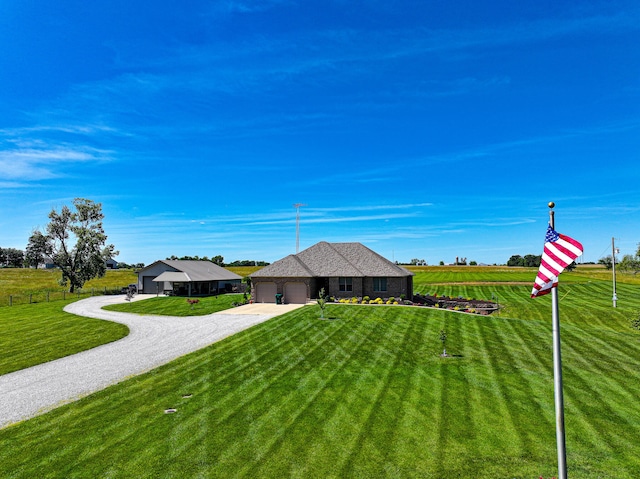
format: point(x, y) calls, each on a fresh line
point(557, 374)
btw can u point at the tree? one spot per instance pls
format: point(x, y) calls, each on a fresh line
point(322, 302)
point(218, 259)
point(86, 259)
point(532, 260)
point(630, 263)
point(36, 249)
point(11, 258)
point(607, 261)
point(516, 260)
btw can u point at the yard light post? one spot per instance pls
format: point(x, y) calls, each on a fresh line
point(297, 207)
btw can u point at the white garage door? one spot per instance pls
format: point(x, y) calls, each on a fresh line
point(266, 292)
point(295, 293)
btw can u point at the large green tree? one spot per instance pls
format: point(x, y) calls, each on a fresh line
point(607, 261)
point(630, 263)
point(76, 243)
point(11, 258)
point(36, 250)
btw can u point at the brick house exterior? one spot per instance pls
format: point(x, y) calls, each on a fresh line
point(344, 270)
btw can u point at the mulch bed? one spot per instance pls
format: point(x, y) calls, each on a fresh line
point(479, 306)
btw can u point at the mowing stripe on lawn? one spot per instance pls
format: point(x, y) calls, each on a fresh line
point(316, 387)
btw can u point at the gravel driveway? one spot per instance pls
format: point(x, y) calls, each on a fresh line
point(152, 341)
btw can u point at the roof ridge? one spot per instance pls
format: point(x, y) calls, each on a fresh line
point(301, 263)
point(344, 258)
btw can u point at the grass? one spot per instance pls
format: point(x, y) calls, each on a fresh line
point(25, 285)
point(178, 306)
point(368, 396)
point(34, 334)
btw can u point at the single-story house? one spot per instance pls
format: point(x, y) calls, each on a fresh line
point(111, 263)
point(186, 278)
point(344, 270)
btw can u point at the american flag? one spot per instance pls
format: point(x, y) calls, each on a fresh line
point(559, 252)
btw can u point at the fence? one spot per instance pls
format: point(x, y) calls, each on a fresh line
point(48, 296)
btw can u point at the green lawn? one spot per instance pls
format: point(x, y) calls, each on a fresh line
point(178, 306)
point(37, 333)
point(367, 395)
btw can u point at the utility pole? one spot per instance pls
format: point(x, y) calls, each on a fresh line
point(297, 207)
point(613, 267)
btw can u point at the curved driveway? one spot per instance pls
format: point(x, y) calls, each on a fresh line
point(152, 341)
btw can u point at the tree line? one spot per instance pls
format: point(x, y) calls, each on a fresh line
point(219, 260)
point(532, 261)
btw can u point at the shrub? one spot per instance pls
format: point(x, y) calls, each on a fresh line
point(192, 302)
point(354, 300)
point(366, 298)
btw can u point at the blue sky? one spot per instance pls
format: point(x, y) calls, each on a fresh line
point(423, 129)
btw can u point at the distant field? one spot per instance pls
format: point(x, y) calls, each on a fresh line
point(24, 285)
point(244, 270)
point(27, 280)
point(433, 275)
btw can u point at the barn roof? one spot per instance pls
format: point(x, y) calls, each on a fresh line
point(195, 270)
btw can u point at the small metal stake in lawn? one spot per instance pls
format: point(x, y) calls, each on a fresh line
point(443, 338)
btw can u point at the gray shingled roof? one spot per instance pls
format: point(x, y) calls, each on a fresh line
point(201, 270)
point(173, 276)
point(331, 260)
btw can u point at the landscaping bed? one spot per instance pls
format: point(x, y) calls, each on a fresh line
point(466, 305)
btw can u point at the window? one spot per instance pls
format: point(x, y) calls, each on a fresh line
point(345, 284)
point(380, 284)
